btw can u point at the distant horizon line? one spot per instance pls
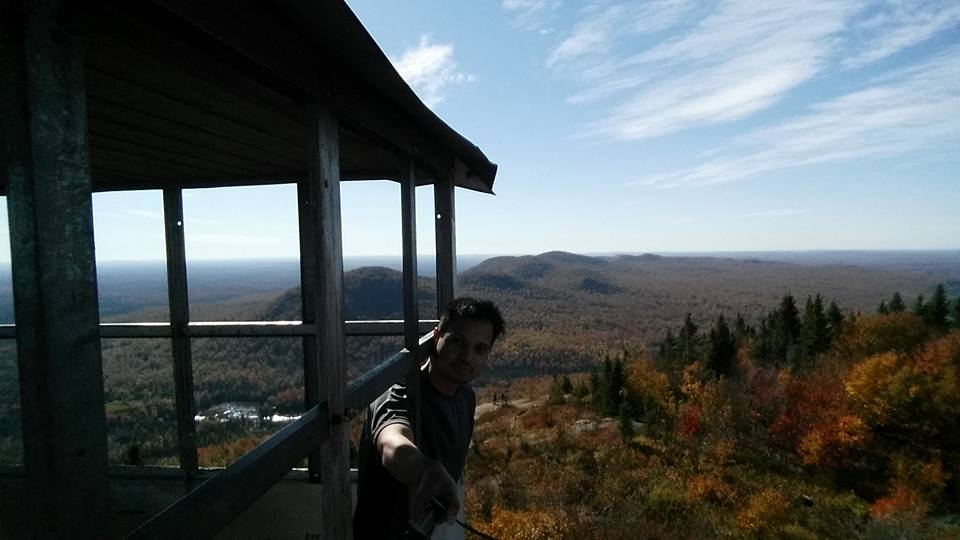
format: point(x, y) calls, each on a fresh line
point(589, 254)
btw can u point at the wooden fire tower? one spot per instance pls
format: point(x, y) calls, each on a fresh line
point(175, 94)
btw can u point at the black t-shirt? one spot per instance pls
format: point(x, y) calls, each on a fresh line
point(445, 432)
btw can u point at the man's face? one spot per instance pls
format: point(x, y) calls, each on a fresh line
point(463, 349)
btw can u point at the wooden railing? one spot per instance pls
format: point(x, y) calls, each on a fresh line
point(212, 505)
point(240, 329)
point(217, 501)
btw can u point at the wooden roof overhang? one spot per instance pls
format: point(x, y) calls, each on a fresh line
point(217, 93)
point(168, 94)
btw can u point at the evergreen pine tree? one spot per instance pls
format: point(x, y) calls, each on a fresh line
point(723, 348)
point(667, 350)
point(834, 322)
point(785, 328)
point(920, 307)
point(789, 318)
point(815, 336)
point(687, 340)
point(763, 345)
point(896, 303)
point(882, 309)
point(566, 386)
point(956, 313)
point(614, 387)
point(938, 309)
point(741, 331)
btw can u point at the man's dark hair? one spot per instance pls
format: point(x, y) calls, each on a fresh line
point(473, 309)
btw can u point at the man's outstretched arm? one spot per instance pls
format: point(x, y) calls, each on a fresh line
point(425, 478)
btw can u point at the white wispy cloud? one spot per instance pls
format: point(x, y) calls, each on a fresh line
point(899, 24)
point(738, 58)
point(531, 14)
point(430, 69)
point(655, 68)
point(602, 26)
point(910, 109)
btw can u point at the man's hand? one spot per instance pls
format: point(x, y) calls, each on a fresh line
point(426, 479)
point(435, 484)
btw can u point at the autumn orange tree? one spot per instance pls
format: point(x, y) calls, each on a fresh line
point(911, 405)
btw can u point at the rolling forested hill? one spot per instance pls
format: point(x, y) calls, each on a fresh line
point(562, 307)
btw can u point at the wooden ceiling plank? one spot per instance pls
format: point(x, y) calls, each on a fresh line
point(139, 163)
point(145, 99)
point(101, 110)
point(103, 144)
point(123, 61)
point(105, 130)
point(141, 31)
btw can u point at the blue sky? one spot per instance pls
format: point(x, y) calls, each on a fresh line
point(667, 125)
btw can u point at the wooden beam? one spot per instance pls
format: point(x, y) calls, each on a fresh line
point(242, 329)
point(371, 384)
point(121, 177)
point(180, 342)
point(210, 507)
point(386, 328)
point(320, 204)
point(45, 166)
point(307, 203)
point(445, 225)
point(408, 216)
point(411, 315)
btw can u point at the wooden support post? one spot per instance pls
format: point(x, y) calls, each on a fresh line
point(445, 226)
point(411, 312)
point(180, 343)
point(309, 295)
point(45, 159)
point(321, 202)
point(408, 214)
